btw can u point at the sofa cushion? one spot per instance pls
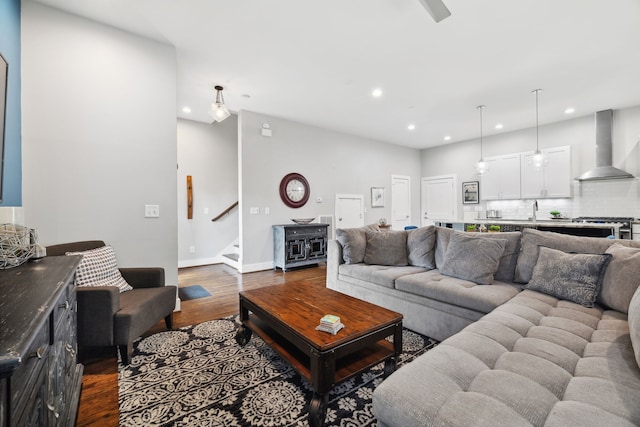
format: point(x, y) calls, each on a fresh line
point(354, 242)
point(535, 360)
point(507, 266)
point(99, 268)
point(386, 248)
point(421, 247)
point(473, 259)
point(532, 238)
point(574, 277)
point(378, 274)
point(634, 324)
point(621, 278)
point(434, 285)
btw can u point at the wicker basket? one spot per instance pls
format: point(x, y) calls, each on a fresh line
point(17, 245)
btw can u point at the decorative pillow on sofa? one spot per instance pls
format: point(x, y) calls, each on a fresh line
point(99, 268)
point(573, 277)
point(354, 242)
point(621, 278)
point(507, 264)
point(421, 247)
point(634, 324)
point(472, 259)
point(386, 248)
point(532, 238)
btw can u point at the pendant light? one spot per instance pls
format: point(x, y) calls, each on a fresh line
point(538, 158)
point(218, 110)
point(481, 165)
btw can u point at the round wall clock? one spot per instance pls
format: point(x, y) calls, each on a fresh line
point(294, 190)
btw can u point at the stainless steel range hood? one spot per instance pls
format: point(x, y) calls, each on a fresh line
point(604, 157)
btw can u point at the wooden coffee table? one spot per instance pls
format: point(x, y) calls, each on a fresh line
point(286, 316)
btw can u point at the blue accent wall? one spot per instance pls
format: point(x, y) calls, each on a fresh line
point(10, 49)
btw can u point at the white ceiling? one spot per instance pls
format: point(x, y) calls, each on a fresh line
point(317, 61)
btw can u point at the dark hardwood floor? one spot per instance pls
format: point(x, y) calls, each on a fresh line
point(99, 399)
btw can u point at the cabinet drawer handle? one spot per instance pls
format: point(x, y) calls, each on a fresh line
point(53, 409)
point(65, 305)
point(38, 353)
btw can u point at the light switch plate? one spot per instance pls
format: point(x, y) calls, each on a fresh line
point(151, 211)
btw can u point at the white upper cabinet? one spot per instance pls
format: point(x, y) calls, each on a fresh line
point(502, 178)
point(553, 180)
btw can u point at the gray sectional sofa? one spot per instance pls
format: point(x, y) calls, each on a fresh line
point(537, 328)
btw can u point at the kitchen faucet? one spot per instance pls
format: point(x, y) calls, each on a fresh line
point(535, 209)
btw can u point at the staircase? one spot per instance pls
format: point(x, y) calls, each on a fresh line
point(232, 258)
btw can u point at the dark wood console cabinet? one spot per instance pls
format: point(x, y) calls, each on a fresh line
point(40, 377)
point(296, 245)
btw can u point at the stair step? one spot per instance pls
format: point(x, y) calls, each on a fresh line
point(236, 246)
point(235, 257)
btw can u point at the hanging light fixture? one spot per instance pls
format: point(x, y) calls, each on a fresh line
point(481, 165)
point(218, 110)
point(538, 158)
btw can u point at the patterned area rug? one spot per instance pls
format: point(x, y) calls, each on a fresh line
point(200, 376)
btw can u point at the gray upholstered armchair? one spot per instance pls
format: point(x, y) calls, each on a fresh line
point(107, 317)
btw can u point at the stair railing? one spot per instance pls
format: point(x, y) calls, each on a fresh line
point(225, 212)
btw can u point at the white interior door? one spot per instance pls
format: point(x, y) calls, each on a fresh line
point(349, 210)
point(438, 199)
point(400, 202)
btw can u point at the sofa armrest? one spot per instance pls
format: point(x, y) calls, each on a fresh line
point(144, 277)
point(334, 259)
point(96, 309)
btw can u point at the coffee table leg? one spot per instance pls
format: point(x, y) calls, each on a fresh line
point(391, 364)
point(243, 335)
point(318, 409)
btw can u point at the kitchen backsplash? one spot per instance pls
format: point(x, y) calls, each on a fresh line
point(596, 198)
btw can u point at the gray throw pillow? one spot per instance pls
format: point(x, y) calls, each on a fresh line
point(508, 260)
point(472, 259)
point(634, 324)
point(621, 278)
point(532, 238)
point(573, 277)
point(354, 242)
point(386, 248)
point(421, 247)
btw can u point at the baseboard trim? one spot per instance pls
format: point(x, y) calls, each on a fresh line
point(250, 268)
point(200, 261)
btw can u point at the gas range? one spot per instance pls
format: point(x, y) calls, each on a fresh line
point(625, 230)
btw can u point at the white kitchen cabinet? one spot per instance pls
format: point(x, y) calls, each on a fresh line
point(502, 179)
point(552, 180)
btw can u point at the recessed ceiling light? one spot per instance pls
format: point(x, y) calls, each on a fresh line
point(447, 138)
point(186, 110)
point(499, 126)
point(411, 126)
point(376, 93)
point(570, 110)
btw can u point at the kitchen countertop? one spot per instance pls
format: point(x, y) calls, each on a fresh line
point(564, 223)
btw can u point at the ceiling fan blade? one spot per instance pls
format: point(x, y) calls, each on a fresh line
point(436, 9)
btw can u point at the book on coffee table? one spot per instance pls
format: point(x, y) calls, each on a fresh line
point(330, 323)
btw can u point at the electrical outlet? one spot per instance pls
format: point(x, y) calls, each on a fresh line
point(151, 211)
point(192, 249)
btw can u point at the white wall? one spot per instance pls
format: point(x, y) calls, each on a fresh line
point(209, 153)
point(99, 136)
point(332, 162)
point(597, 198)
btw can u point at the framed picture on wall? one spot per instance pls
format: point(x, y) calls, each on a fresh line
point(470, 192)
point(377, 197)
